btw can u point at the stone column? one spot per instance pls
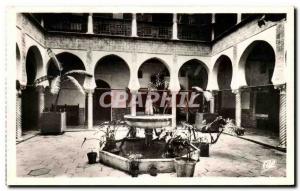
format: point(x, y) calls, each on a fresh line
point(134, 26)
point(41, 104)
point(90, 108)
point(212, 104)
point(90, 29)
point(282, 116)
point(18, 114)
point(216, 99)
point(213, 20)
point(173, 102)
point(238, 107)
point(133, 103)
point(239, 18)
point(42, 22)
point(41, 99)
point(175, 29)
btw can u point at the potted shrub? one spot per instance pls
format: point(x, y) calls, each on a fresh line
point(54, 122)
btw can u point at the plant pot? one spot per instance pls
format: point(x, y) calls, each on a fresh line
point(204, 150)
point(92, 157)
point(134, 168)
point(185, 167)
point(53, 122)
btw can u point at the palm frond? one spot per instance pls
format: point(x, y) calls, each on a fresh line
point(55, 85)
point(42, 79)
point(197, 88)
point(55, 60)
point(207, 95)
point(76, 83)
point(82, 72)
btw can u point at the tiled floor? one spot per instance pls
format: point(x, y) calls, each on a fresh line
point(62, 155)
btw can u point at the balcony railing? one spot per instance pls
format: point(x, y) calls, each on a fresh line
point(112, 27)
point(68, 27)
point(123, 27)
point(194, 32)
point(154, 30)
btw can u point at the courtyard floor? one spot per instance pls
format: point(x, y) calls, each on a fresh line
point(62, 155)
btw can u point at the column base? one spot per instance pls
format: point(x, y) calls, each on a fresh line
point(281, 147)
point(19, 139)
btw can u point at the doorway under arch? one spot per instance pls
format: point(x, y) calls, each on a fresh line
point(100, 112)
point(225, 99)
point(260, 103)
point(30, 99)
point(153, 75)
point(112, 76)
point(70, 99)
point(192, 73)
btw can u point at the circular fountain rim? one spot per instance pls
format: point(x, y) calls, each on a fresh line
point(148, 117)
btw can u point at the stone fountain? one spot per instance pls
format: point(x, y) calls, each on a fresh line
point(148, 152)
point(148, 121)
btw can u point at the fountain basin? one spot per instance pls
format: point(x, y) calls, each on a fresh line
point(148, 121)
point(148, 157)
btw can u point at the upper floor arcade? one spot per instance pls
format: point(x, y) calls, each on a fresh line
point(203, 27)
point(90, 46)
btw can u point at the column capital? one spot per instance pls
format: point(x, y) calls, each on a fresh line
point(236, 91)
point(89, 91)
point(174, 92)
point(134, 91)
point(19, 88)
point(214, 92)
point(40, 89)
point(281, 88)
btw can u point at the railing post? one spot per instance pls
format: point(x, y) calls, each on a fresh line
point(90, 24)
point(134, 25)
point(175, 29)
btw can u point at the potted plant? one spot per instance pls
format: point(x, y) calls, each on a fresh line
point(176, 143)
point(209, 134)
point(204, 114)
point(54, 122)
point(232, 129)
point(107, 140)
point(92, 157)
point(134, 164)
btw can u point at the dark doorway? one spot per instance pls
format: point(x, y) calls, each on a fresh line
point(267, 112)
point(225, 100)
point(264, 99)
point(101, 113)
point(30, 105)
